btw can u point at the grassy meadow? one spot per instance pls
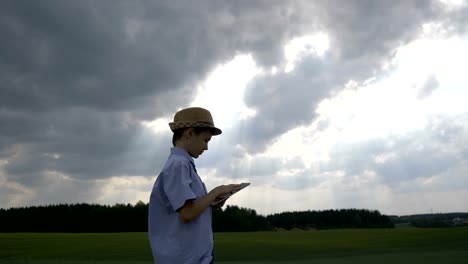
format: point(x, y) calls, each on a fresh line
point(401, 245)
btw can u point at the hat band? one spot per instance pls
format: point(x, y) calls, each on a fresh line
point(183, 124)
point(205, 123)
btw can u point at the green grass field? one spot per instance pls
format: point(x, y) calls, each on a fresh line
point(405, 245)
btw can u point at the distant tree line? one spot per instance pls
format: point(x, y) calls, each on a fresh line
point(344, 218)
point(75, 218)
point(236, 219)
point(432, 220)
point(134, 218)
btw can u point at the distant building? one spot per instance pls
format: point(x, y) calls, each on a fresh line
point(458, 221)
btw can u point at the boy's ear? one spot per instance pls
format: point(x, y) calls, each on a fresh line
point(189, 132)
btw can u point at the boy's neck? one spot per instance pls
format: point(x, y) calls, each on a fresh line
point(180, 144)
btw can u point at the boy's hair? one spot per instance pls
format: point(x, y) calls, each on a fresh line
point(179, 132)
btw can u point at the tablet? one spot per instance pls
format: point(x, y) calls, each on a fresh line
point(224, 197)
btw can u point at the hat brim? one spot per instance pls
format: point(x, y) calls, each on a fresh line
point(186, 124)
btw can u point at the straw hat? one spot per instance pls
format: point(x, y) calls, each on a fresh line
point(194, 117)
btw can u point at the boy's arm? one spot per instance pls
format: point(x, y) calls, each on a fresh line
point(193, 208)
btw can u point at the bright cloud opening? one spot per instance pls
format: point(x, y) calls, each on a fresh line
point(453, 3)
point(159, 125)
point(223, 91)
point(310, 44)
point(394, 105)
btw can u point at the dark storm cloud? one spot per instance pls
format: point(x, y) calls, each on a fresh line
point(112, 54)
point(86, 144)
point(76, 77)
point(369, 31)
point(286, 100)
point(457, 21)
point(68, 53)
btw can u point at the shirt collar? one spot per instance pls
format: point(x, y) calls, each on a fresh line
point(182, 152)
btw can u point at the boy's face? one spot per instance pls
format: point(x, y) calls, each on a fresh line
point(198, 143)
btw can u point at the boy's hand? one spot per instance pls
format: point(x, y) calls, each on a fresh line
point(225, 189)
point(222, 193)
point(219, 205)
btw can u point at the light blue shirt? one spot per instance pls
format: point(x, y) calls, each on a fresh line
point(172, 241)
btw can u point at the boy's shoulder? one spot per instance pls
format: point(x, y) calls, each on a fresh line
point(176, 161)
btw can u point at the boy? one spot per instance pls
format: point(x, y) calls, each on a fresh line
point(179, 218)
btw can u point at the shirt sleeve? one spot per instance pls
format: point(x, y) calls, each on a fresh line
point(177, 183)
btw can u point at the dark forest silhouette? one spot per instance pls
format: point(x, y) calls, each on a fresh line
point(134, 218)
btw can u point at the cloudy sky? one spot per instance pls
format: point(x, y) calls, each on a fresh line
point(323, 104)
